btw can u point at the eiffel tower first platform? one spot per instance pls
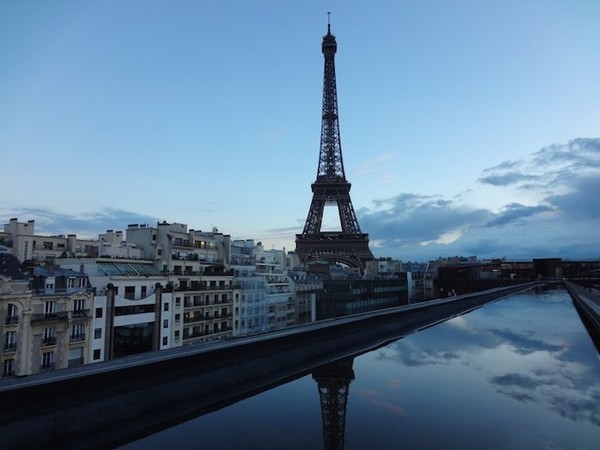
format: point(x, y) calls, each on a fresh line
point(349, 246)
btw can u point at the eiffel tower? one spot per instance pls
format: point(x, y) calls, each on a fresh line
point(349, 246)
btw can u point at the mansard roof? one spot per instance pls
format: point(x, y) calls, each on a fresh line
point(11, 267)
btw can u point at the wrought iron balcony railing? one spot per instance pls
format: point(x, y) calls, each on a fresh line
point(50, 340)
point(77, 337)
point(62, 315)
point(10, 348)
point(11, 320)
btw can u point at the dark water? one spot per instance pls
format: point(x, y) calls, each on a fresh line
point(518, 373)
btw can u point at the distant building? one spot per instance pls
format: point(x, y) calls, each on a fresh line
point(343, 297)
point(267, 293)
point(25, 245)
point(465, 277)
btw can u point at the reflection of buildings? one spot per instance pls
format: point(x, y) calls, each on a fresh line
point(334, 381)
point(469, 275)
point(343, 297)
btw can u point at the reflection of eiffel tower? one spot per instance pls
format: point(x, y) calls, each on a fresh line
point(333, 381)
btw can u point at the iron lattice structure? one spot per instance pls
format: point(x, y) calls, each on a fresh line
point(350, 245)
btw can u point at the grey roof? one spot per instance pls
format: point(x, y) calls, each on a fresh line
point(45, 271)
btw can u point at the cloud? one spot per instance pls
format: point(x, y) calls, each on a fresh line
point(557, 166)
point(554, 211)
point(506, 179)
point(376, 164)
point(88, 224)
point(515, 213)
point(582, 203)
point(415, 218)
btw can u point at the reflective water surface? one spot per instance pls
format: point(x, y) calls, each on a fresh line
point(518, 373)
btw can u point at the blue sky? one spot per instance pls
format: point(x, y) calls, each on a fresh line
point(467, 127)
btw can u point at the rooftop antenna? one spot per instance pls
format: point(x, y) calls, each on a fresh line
point(328, 22)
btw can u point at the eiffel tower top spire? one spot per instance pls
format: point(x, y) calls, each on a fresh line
point(331, 165)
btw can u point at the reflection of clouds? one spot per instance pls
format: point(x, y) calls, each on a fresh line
point(562, 392)
point(523, 343)
point(378, 399)
point(518, 380)
point(461, 323)
point(554, 366)
point(394, 383)
point(415, 357)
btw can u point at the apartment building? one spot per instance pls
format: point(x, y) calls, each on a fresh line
point(132, 312)
point(195, 263)
point(45, 317)
point(267, 293)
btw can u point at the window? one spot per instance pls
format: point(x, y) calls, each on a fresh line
point(177, 335)
point(143, 292)
point(77, 332)
point(12, 315)
point(78, 308)
point(9, 368)
point(81, 282)
point(10, 341)
point(177, 301)
point(130, 292)
point(166, 323)
point(166, 307)
point(98, 333)
point(177, 318)
point(96, 354)
point(47, 360)
point(98, 313)
point(49, 338)
point(71, 282)
point(50, 309)
point(165, 340)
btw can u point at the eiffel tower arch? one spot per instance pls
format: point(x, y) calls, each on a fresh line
point(349, 246)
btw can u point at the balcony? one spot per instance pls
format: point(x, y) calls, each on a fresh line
point(77, 337)
point(47, 341)
point(47, 366)
point(81, 314)
point(194, 286)
point(207, 333)
point(10, 348)
point(12, 320)
point(50, 317)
